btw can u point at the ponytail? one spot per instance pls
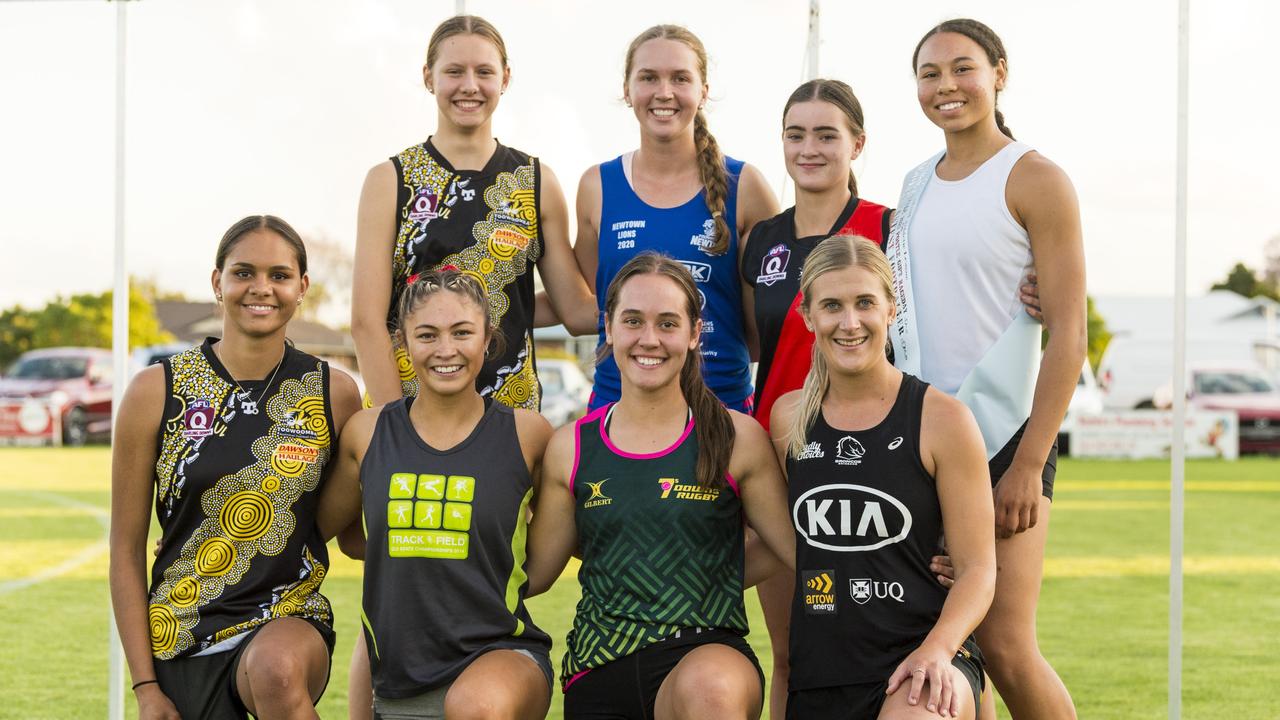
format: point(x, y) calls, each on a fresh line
point(712, 172)
point(1000, 124)
point(815, 388)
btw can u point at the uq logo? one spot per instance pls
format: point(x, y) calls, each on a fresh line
point(850, 518)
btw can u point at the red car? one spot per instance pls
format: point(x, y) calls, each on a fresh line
point(74, 381)
point(1250, 394)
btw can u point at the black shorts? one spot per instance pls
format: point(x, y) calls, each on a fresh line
point(204, 687)
point(1003, 459)
point(627, 688)
point(862, 701)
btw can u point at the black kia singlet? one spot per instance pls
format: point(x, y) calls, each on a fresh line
point(485, 223)
point(867, 519)
point(238, 478)
point(444, 578)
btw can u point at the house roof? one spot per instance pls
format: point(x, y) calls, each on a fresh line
point(193, 321)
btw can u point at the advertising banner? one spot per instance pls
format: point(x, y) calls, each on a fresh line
point(29, 422)
point(1139, 434)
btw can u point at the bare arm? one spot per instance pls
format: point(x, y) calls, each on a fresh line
point(371, 287)
point(346, 402)
point(1043, 200)
point(553, 534)
point(764, 496)
point(133, 459)
point(755, 203)
point(587, 246)
point(340, 500)
point(952, 451)
point(570, 296)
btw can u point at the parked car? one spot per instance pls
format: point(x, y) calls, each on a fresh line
point(1086, 400)
point(75, 381)
point(1248, 392)
point(1133, 368)
point(565, 390)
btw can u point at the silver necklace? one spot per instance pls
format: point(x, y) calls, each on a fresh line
point(248, 405)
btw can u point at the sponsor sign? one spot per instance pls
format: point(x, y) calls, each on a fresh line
point(1137, 434)
point(850, 518)
point(29, 422)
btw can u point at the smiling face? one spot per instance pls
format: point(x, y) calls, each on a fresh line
point(665, 86)
point(260, 284)
point(651, 331)
point(818, 145)
point(445, 337)
point(955, 82)
point(849, 312)
point(467, 77)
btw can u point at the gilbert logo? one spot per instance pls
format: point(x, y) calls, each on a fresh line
point(849, 451)
point(597, 498)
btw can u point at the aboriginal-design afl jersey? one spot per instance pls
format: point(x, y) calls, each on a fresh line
point(444, 577)
point(867, 520)
point(660, 552)
point(238, 478)
point(630, 226)
point(485, 223)
point(771, 264)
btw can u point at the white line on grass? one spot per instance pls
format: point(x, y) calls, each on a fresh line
point(84, 556)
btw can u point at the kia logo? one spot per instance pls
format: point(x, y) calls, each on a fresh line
point(850, 518)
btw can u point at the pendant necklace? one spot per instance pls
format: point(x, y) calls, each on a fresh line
point(248, 405)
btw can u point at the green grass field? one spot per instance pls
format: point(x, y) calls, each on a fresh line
point(1103, 616)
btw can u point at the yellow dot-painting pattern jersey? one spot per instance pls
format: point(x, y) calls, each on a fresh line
point(238, 478)
point(486, 224)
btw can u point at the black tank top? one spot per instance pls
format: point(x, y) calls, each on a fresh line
point(238, 478)
point(867, 519)
point(444, 576)
point(487, 224)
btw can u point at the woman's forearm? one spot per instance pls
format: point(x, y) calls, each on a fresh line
point(966, 605)
point(1060, 367)
point(129, 604)
point(377, 359)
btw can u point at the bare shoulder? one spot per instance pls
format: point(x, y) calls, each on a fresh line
point(341, 385)
point(561, 450)
point(942, 409)
point(381, 176)
point(750, 441)
point(534, 432)
point(1036, 175)
point(359, 429)
point(783, 415)
point(143, 402)
point(590, 181)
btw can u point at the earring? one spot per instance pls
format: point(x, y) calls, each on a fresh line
point(218, 296)
point(300, 300)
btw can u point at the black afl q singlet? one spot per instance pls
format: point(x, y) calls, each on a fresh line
point(867, 520)
point(444, 578)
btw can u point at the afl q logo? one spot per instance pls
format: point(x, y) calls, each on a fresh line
point(198, 420)
point(774, 266)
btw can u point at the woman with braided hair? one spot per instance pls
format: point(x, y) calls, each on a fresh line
point(677, 194)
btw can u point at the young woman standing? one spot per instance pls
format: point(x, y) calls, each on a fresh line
point(652, 491)
point(461, 198)
point(445, 480)
point(679, 195)
point(970, 222)
point(879, 467)
point(231, 438)
point(822, 133)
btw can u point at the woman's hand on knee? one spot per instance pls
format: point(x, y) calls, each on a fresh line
point(930, 678)
point(153, 704)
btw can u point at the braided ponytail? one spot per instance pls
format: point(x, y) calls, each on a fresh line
point(712, 172)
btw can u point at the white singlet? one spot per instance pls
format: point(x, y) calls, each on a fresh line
point(968, 258)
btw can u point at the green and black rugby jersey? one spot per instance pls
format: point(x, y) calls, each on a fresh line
point(660, 552)
point(237, 485)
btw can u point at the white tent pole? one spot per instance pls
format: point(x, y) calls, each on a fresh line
point(1178, 454)
point(460, 7)
point(119, 340)
point(815, 38)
